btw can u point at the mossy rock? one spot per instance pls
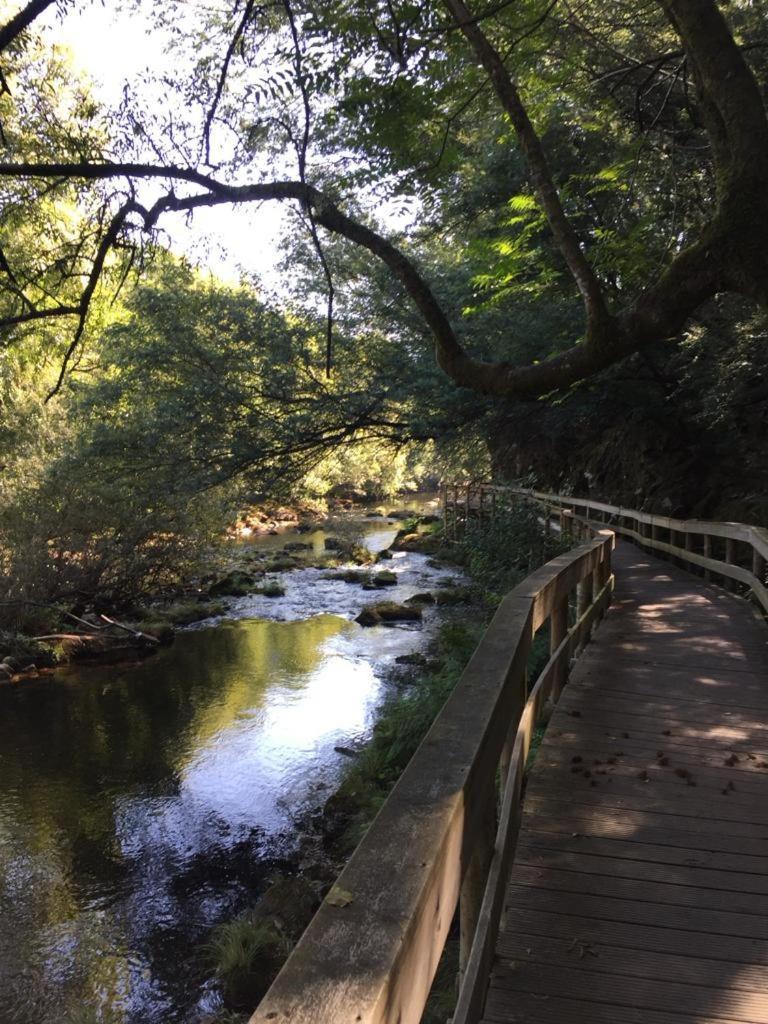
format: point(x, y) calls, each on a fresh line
point(425, 598)
point(384, 556)
point(411, 659)
point(282, 564)
point(272, 589)
point(388, 611)
point(384, 578)
point(234, 584)
point(454, 595)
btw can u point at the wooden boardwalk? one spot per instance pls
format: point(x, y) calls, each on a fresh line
point(639, 892)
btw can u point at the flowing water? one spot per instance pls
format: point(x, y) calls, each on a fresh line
point(140, 805)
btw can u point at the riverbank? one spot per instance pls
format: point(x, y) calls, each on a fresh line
point(100, 630)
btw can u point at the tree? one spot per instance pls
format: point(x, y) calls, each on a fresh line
point(334, 67)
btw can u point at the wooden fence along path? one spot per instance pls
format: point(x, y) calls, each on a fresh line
point(631, 883)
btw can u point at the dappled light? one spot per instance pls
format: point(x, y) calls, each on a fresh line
point(640, 880)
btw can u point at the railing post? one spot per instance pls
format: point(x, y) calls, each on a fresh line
point(730, 557)
point(475, 877)
point(558, 627)
point(758, 565)
point(707, 554)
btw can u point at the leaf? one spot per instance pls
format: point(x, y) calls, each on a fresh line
point(339, 897)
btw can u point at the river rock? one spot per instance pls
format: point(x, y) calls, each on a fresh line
point(411, 659)
point(388, 611)
point(425, 598)
point(384, 556)
point(332, 544)
point(234, 584)
point(454, 595)
point(385, 578)
point(297, 545)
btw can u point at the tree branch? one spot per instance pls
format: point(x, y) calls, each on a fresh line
point(13, 28)
point(564, 234)
point(238, 34)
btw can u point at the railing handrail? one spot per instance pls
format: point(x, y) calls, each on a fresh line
point(755, 536)
point(650, 526)
point(370, 953)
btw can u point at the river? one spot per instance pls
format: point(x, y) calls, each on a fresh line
point(140, 805)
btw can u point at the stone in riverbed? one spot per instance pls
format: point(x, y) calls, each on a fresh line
point(411, 659)
point(388, 611)
point(234, 584)
point(425, 598)
point(385, 578)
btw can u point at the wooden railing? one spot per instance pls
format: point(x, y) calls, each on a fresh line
point(731, 553)
point(445, 837)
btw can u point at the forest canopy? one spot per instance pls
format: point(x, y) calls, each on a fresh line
point(555, 203)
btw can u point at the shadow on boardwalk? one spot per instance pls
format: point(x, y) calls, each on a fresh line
point(640, 886)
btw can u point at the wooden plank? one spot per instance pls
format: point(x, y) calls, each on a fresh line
point(631, 769)
point(685, 804)
point(594, 738)
point(657, 830)
point(538, 1009)
point(670, 711)
point(641, 963)
point(599, 807)
point(723, 737)
point(569, 879)
point(655, 937)
point(626, 990)
point(636, 866)
point(639, 852)
point(684, 690)
point(605, 908)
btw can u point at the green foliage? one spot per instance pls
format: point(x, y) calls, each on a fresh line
point(501, 552)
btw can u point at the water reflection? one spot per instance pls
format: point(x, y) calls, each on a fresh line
point(139, 806)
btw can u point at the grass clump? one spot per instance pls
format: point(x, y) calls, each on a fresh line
point(246, 954)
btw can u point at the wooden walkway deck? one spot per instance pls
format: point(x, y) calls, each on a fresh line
point(639, 892)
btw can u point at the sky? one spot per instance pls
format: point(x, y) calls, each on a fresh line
point(114, 47)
